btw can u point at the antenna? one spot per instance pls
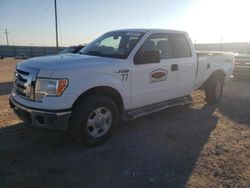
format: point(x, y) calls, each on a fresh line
point(56, 25)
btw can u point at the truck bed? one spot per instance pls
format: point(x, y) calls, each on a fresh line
point(210, 61)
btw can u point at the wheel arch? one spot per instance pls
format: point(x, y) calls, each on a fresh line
point(217, 73)
point(105, 91)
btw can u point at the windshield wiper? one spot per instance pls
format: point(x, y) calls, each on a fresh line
point(98, 53)
point(94, 53)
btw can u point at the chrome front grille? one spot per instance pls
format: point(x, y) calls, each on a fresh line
point(242, 62)
point(24, 81)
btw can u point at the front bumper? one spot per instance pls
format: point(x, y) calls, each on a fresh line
point(41, 118)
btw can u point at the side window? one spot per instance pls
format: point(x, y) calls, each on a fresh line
point(159, 42)
point(180, 45)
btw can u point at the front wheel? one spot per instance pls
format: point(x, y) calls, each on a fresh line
point(214, 90)
point(94, 119)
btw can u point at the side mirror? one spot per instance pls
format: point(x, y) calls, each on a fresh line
point(147, 57)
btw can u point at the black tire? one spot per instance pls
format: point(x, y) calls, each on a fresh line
point(214, 89)
point(83, 112)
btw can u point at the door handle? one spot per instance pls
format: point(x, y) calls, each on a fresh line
point(174, 67)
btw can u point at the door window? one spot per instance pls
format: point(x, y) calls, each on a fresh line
point(159, 42)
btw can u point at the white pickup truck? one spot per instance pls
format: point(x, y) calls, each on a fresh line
point(123, 74)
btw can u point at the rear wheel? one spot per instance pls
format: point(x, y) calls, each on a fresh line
point(94, 119)
point(214, 89)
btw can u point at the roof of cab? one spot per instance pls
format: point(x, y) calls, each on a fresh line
point(151, 30)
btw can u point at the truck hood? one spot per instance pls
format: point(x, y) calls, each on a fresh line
point(63, 61)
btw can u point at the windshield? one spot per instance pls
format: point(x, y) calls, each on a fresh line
point(113, 44)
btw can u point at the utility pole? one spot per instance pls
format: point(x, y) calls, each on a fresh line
point(56, 24)
point(6, 34)
point(221, 39)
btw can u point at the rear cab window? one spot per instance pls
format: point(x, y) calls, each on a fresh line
point(180, 46)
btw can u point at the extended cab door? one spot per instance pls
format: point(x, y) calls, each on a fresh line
point(187, 63)
point(155, 81)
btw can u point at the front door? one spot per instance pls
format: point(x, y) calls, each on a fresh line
point(154, 82)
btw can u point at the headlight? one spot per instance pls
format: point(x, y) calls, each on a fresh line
point(49, 87)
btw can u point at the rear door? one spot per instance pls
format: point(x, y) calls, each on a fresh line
point(187, 63)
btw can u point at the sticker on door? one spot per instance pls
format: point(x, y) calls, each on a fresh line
point(158, 75)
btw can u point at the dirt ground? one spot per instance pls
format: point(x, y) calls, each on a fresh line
point(191, 146)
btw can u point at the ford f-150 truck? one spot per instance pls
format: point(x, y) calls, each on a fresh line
point(123, 74)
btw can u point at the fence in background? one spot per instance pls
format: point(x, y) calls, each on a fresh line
point(239, 47)
point(32, 51)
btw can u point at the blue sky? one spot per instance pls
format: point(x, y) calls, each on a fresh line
point(31, 22)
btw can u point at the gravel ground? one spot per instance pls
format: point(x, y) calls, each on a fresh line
point(191, 146)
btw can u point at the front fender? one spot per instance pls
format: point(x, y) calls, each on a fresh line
point(83, 84)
